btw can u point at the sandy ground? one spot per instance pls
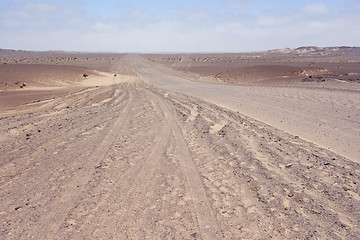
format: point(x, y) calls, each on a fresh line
point(158, 153)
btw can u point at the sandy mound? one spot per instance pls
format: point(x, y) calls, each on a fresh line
point(25, 76)
point(39, 84)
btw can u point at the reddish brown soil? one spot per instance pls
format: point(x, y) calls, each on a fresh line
point(268, 67)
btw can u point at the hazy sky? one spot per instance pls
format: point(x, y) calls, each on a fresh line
point(177, 25)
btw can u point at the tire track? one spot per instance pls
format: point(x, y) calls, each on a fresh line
point(146, 190)
point(144, 179)
point(146, 170)
point(259, 159)
point(204, 214)
point(59, 209)
point(26, 166)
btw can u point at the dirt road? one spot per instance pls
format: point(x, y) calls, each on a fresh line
point(327, 117)
point(157, 155)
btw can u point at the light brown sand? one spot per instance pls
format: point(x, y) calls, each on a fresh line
point(157, 153)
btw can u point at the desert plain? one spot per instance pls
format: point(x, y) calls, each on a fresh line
point(258, 145)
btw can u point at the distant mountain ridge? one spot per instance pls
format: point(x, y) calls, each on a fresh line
point(312, 50)
point(318, 50)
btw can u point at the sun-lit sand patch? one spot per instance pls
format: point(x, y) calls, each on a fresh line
point(99, 79)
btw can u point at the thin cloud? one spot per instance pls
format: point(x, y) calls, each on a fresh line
point(316, 8)
point(238, 5)
point(52, 25)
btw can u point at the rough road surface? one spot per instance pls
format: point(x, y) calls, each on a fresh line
point(157, 156)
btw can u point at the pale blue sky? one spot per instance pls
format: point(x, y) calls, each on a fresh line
point(177, 25)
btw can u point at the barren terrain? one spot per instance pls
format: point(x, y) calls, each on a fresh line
point(230, 146)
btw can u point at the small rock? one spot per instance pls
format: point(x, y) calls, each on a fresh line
point(194, 235)
point(17, 208)
point(315, 211)
point(326, 163)
point(288, 165)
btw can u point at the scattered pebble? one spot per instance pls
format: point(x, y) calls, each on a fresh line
point(97, 166)
point(326, 163)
